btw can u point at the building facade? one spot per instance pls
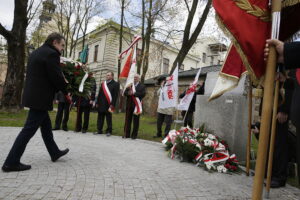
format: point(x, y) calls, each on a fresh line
point(103, 48)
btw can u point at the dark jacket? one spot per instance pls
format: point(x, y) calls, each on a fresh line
point(59, 96)
point(43, 78)
point(85, 101)
point(193, 102)
point(140, 92)
point(285, 103)
point(295, 107)
point(292, 55)
point(114, 88)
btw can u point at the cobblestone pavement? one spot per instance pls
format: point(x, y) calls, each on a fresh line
point(99, 167)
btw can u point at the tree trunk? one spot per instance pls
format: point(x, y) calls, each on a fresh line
point(140, 59)
point(12, 90)
point(189, 42)
point(147, 42)
point(121, 35)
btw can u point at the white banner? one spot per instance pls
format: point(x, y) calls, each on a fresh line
point(169, 92)
point(189, 94)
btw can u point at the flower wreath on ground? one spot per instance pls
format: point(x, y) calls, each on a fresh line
point(80, 79)
point(205, 149)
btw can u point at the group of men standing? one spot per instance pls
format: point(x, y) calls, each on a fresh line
point(105, 104)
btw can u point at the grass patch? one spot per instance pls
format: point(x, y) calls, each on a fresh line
point(146, 131)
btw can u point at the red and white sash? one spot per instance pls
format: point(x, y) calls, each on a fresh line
point(107, 94)
point(138, 104)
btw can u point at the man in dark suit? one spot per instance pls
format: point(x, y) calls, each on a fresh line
point(289, 55)
point(63, 110)
point(84, 105)
point(188, 115)
point(140, 93)
point(43, 78)
point(106, 102)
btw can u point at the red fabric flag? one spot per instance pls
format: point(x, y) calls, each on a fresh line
point(126, 67)
point(247, 24)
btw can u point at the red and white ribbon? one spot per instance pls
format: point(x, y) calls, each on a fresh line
point(217, 157)
point(138, 109)
point(136, 39)
point(107, 95)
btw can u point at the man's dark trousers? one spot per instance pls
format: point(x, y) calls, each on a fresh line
point(35, 119)
point(101, 118)
point(161, 118)
point(280, 157)
point(62, 109)
point(86, 110)
point(136, 124)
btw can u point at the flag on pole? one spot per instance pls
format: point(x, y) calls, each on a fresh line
point(169, 92)
point(238, 18)
point(126, 67)
point(186, 100)
point(131, 73)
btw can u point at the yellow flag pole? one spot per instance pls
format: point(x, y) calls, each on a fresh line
point(266, 117)
point(249, 126)
point(272, 140)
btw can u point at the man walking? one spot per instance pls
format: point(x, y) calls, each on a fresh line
point(106, 102)
point(132, 105)
point(63, 110)
point(43, 78)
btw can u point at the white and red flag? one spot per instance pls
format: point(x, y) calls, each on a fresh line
point(169, 92)
point(186, 100)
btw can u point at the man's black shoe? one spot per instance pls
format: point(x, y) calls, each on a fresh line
point(65, 128)
point(15, 168)
point(96, 133)
point(277, 184)
point(83, 131)
point(55, 129)
point(108, 134)
point(60, 154)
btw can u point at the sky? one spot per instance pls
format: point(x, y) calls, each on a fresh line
point(112, 11)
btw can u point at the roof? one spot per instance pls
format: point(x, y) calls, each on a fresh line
point(187, 73)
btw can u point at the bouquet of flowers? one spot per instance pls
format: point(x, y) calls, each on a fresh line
point(205, 149)
point(80, 80)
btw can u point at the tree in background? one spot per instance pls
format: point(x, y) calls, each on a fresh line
point(189, 38)
point(24, 11)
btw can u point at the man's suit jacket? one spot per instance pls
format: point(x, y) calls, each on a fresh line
point(114, 88)
point(140, 93)
point(292, 55)
point(43, 78)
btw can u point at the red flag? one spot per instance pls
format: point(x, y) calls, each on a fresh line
point(247, 24)
point(126, 67)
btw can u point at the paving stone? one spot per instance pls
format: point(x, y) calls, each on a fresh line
point(111, 168)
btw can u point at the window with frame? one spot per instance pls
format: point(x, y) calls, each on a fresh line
point(96, 53)
point(212, 60)
point(166, 62)
point(204, 57)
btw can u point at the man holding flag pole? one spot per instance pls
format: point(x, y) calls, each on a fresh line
point(188, 100)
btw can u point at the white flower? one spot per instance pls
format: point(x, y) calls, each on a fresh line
point(211, 137)
point(221, 169)
point(208, 142)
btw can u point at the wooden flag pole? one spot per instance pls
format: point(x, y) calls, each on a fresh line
point(266, 117)
point(272, 140)
point(249, 126)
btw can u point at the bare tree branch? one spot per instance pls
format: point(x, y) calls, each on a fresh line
point(4, 32)
point(187, 5)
